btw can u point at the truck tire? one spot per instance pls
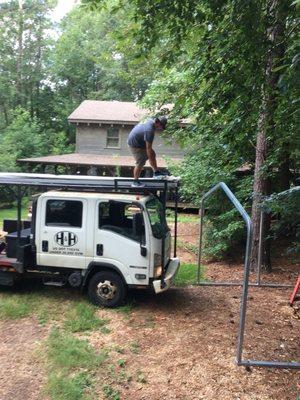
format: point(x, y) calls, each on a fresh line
point(107, 289)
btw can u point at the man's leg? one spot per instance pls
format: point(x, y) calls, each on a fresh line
point(140, 157)
point(137, 171)
point(152, 161)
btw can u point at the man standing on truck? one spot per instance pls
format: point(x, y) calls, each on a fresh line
point(140, 142)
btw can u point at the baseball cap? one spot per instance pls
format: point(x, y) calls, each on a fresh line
point(163, 120)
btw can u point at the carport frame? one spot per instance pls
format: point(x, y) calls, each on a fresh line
point(245, 284)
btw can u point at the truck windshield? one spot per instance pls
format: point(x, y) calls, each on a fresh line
point(158, 222)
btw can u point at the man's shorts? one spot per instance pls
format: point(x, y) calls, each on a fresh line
point(140, 156)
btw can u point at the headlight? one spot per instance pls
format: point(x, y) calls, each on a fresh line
point(157, 265)
point(157, 271)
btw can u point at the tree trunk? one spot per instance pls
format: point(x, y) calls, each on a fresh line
point(276, 14)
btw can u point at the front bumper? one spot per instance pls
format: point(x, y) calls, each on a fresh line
point(173, 266)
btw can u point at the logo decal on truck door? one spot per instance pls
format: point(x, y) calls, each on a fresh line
point(66, 239)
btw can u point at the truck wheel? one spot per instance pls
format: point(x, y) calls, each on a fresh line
point(107, 289)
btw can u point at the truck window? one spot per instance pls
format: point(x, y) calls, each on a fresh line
point(64, 213)
point(157, 220)
point(121, 218)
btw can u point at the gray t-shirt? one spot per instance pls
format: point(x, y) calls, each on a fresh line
point(141, 134)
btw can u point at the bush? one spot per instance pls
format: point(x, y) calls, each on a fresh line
point(284, 207)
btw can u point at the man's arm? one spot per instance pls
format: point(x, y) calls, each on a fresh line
point(151, 155)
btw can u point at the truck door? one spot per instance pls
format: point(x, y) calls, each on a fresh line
point(62, 233)
point(121, 240)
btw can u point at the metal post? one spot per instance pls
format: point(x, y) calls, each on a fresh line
point(163, 242)
point(200, 240)
point(244, 294)
point(175, 220)
point(19, 217)
point(260, 245)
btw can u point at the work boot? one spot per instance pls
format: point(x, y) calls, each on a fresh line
point(137, 184)
point(159, 174)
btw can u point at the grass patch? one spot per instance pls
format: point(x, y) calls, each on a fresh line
point(126, 309)
point(81, 317)
point(67, 352)
point(46, 303)
point(187, 275)
point(14, 307)
point(71, 362)
point(74, 387)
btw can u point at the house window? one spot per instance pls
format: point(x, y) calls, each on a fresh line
point(113, 138)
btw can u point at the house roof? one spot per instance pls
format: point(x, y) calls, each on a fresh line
point(89, 160)
point(94, 111)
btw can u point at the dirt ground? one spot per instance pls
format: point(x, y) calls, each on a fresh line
point(178, 345)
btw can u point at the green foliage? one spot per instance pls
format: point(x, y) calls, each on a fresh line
point(215, 79)
point(81, 317)
point(24, 57)
point(121, 363)
point(86, 67)
point(285, 207)
point(111, 393)
point(223, 234)
point(23, 138)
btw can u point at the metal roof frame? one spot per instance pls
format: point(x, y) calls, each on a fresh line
point(87, 183)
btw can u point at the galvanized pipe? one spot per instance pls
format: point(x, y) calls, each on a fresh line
point(163, 241)
point(260, 245)
point(175, 220)
point(200, 240)
point(270, 285)
point(270, 364)
point(19, 217)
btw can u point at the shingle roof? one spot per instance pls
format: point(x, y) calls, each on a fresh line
point(123, 112)
point(88, 160)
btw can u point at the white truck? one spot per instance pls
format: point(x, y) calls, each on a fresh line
point(99, 234)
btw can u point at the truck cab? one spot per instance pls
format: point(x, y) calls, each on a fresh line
point(102, 242)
